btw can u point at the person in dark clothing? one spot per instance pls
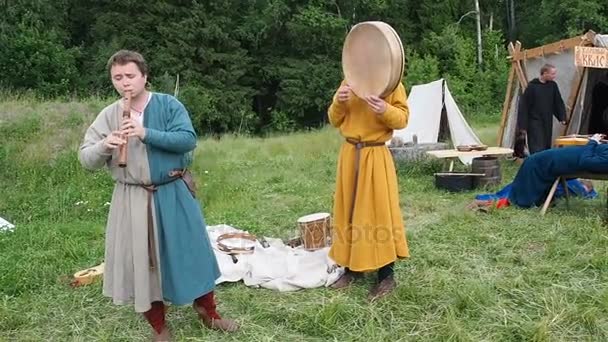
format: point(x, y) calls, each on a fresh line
point(539, 103)
point(538, 172)
point(599, 107)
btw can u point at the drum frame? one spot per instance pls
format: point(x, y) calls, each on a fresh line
point(397, 58)
point(315, 234)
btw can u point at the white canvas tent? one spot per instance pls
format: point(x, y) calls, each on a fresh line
point(426, 102)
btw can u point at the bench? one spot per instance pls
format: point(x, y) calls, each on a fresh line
point(562, 179)
point(451, 154)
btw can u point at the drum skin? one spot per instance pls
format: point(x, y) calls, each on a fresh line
point(373, 59)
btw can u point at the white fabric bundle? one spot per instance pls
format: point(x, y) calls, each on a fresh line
point(277, 267)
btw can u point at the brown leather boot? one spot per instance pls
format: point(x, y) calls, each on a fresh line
point(345, 280)
point(383, 288)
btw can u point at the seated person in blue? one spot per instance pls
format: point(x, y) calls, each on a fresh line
point(538, 172)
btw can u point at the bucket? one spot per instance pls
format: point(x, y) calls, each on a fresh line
point(488, 166)
point(454, 181)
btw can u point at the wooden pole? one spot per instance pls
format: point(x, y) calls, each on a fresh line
point(516, 70)
point(549, 197)
point(574, 93)
point(515, 50)
point(556, 47)
point(506, 105)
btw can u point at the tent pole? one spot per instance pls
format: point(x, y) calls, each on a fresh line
point(515, 71)
point(506, 105)
point(514, 51)
point(574, 94)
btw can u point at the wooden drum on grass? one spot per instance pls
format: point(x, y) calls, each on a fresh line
point(373, 60)
point(315, 231)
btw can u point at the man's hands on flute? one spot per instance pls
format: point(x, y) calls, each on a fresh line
point(113, 141)
point(129, 128)
point(132, 128)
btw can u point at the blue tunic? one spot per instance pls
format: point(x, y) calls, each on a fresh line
point(186, 265)
point(538, 172)
point(189, 268)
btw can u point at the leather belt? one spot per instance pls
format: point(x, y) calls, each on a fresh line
point(151, 188)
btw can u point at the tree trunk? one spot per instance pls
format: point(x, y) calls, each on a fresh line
point(479, 46)
point(511, 14)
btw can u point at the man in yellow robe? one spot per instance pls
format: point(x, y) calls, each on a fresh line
point(368, 228)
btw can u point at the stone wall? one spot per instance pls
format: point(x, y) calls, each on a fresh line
point(415, 152)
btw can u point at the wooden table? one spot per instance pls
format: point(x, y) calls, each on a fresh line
point(454, 153)
point(571, 141)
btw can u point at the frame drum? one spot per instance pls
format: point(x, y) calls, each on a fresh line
point(373, 60)
point(315, 231)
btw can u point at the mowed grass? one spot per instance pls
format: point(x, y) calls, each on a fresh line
point(507, 275)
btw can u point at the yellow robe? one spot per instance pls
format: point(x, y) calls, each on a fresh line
point(377, 234)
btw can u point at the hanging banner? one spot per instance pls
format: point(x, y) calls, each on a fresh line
point(591, 57)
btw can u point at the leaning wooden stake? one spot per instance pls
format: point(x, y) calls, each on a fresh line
point(549, 197)
point(506, 105)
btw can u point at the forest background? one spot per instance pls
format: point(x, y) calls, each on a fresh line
point(261, 66)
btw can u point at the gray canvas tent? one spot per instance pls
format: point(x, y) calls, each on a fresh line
point(584, 89)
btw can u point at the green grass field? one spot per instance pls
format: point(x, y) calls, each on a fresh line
point(507, 275)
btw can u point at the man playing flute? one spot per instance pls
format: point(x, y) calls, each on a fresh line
point(157, 249)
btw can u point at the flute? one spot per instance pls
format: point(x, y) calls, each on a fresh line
point(126, 114)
